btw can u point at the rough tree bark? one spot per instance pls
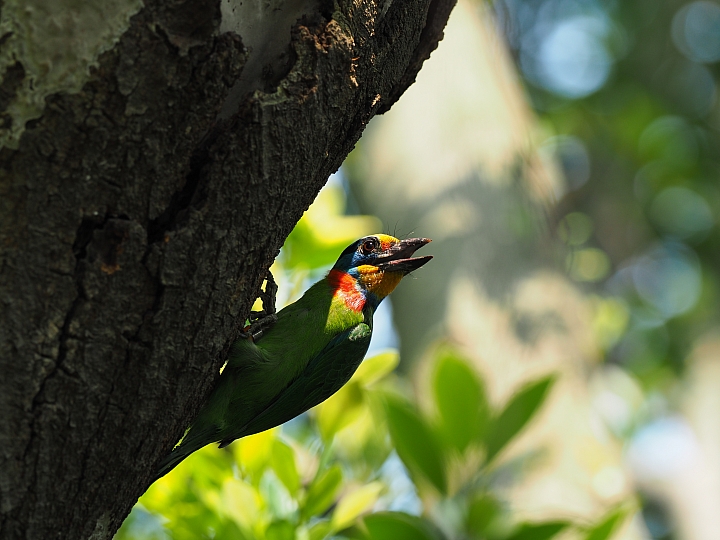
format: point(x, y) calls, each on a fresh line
point(138, 216)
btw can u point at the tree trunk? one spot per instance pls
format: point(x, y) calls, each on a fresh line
point(141, 208)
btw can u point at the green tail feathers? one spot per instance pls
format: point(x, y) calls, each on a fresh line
point(189, 444)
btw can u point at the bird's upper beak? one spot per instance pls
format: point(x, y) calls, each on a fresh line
point(398, 258)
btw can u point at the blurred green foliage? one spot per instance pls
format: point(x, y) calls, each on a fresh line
point(325, 480)
point(324, 231)
point(628, 95)
point(334, 472)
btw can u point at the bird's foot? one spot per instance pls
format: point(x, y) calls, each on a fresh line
point(257, 328)
point(261, 321)
point(268, 295)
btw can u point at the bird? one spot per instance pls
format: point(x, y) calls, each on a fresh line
point(311, 349)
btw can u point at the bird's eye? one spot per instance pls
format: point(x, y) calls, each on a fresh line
point(368, 246)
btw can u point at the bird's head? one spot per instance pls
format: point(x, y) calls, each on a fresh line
point(375, 264)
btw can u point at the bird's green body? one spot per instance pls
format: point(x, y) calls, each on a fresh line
point(311, 351)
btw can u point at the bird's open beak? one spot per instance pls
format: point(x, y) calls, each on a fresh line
point(399, 258)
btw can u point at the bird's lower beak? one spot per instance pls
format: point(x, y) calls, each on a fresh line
point(399, 257)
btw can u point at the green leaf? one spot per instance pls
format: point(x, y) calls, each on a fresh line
point(320, 530)
point(340, 410)
point(517, 413)
point(539, 531)
point(240, 501)
point(282, 461)
point(482, 511)
point(400, 526)
point(376, 367)
point(226, 529)
point(322, 492)
point(252, 453)
point(416, 444)
point(353, 504)
point(460, 399)
point(279, 530)
point(324, 231)
point(604, 529)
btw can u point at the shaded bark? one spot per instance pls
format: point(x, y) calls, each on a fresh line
point(136, 225)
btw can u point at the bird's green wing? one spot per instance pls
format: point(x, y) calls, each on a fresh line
point(324, 375)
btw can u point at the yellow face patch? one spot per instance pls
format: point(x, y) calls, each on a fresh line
point(386, 241)
point(379, 283)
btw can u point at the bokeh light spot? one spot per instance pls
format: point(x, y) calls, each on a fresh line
point(696, 31)
point(663, 449)
point(681, 212)
point(572, 59)
point(573, 156)
point(575, 229)
point(589, 264)
point(609, 482)
point(693, 87)
point(668, 278)
point(610, 320)
point(671, 141)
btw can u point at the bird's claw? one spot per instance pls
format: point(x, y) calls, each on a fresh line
point(256, 329)
point(260, 321)
point(268, 295)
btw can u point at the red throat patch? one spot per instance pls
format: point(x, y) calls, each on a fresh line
point(345, 288)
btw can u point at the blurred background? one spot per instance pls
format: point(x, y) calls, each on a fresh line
point(554, 372)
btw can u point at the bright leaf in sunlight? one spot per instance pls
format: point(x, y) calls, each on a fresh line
point(517, 413)
point(416, 444)
point(324, 231)
point(253, 452)
point(354, 504)
point(460, 399)
point(241, 503)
